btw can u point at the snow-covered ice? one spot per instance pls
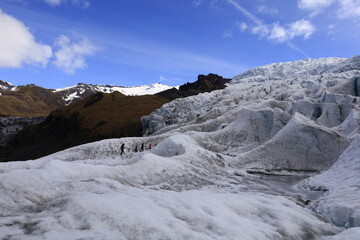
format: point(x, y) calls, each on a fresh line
point(183, 193)
point(340, 185)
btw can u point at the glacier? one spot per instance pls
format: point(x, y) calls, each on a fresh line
point(275, 155)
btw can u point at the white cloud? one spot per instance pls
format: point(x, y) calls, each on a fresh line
point(314, 5)
point(344, 8)
point(242, 26)
point(331, 26)
point(18, 46)
point(302, 28)
point(267, 10)
point(349, 9)
point(228, 33)
point(75, 3)
point(261, 30)
point(278, 33)
point(81, 3)
point(53, 2)
point(70, 55)
point(163, 79)
point(196, 3)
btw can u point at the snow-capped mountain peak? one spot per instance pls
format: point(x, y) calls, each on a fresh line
point(82, 90)
point(6, 85)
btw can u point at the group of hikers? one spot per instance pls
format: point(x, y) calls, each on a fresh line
point(136, 149)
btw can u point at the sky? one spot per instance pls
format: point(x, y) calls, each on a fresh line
point(59, 43)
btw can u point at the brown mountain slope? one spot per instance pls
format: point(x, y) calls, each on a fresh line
point(29, 101)
point(97, 117)
point(94, 118)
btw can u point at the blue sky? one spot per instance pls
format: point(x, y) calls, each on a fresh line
point(58, 43)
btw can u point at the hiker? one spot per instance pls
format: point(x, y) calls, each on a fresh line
point(142, 147)
point(122, 148)
point(149, 146)
point(135, 150)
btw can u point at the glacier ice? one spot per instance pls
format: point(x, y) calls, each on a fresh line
point(197, 182)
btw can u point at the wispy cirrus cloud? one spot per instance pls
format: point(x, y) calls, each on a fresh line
point(349, 9)
point(238, 26)
point(165, 57)
point(314, 6)
point(163, 79)
point(75, 3)
point(276, 32)
point(196, 3)
point(344, 9)
point(267, 10)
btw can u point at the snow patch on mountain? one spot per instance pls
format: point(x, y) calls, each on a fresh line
point(6, 85)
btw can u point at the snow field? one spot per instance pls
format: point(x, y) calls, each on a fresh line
point(177, 190)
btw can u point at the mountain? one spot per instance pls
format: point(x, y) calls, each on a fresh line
point(22, 105)
point(5, 86)
point(204, 83)
point(274, 155)
point(99, 116)
point(82, 90)
point(34, 101)
point(28, 101)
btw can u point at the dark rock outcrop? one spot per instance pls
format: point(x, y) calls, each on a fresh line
point(204, 83)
